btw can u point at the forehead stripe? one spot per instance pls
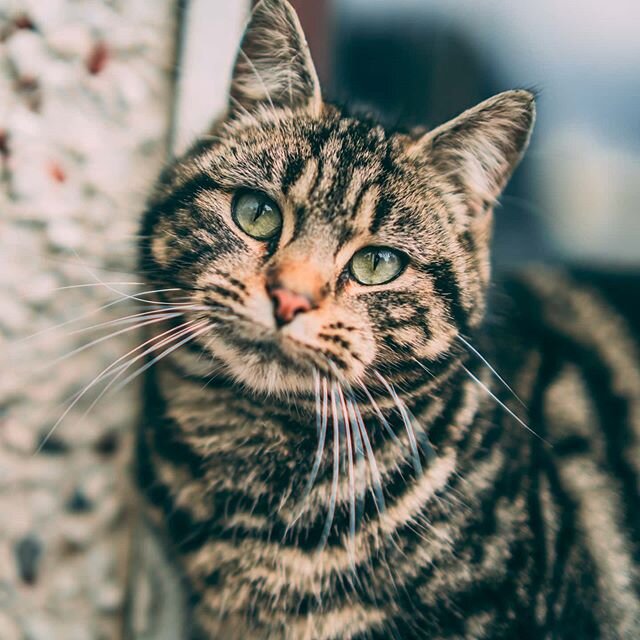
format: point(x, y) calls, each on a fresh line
point(292, 173)
point(385, 201)
point(366, 204)
point(381, 212)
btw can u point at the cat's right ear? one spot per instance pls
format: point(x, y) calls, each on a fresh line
point(273, 68)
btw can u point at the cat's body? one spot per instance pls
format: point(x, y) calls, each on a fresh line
point(324, 452)
point(520, 538)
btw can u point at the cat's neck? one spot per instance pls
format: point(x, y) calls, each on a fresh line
point(410, 409)
point(286, 441)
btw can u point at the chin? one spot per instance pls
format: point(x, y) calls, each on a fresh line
point(268, 364)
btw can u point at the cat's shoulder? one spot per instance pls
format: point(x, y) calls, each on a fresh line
point(568, 339)
point(575, 301)
point(561, 316)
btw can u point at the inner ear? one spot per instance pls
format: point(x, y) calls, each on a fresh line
point(273, 68)
point(480, 149)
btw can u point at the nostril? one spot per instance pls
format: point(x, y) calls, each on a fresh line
point(287, 304)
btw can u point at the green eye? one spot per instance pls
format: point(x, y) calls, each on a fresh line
point(257, 215)
point(377, 265)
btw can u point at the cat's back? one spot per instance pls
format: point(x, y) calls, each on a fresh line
point(569, 340)
point(588, 319)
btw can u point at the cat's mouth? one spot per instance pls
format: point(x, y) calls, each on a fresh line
point(268, 359)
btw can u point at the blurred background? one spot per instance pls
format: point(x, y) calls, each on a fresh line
point(95, 95)
point(577, 194)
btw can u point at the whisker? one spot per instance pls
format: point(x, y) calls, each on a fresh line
point(96, 284)
point(378, 412)
point(212, 375)
point(123, 367)
point(319, 451)
point(503, 405)
point(134, 317)
point(361, 471)
point(406, 420)
point(350, 468)
point(122, 293)
point(200, 329)
point(383, 421)
point(159, 303)
point(152, 313)
point(377, 491)
point(495, 373)
point(113, 370)
point(79, 396)
point(109, 336)
point(336, 467)
point(109, 368)
point(316, 388)
point(81, 317)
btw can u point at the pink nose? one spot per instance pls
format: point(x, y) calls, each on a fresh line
point(287, 304)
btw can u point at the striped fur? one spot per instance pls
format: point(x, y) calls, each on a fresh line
point(440, 507)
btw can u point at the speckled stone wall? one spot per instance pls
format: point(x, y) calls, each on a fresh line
point(85, 94)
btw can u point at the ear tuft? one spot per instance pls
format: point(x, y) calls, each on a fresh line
point(274, 67)
point(480, 148)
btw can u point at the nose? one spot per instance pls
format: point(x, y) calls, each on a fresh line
point(287, 304)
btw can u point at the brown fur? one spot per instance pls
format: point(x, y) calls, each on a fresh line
point(434, 511)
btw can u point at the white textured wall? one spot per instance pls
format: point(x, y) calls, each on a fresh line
point(84, 104)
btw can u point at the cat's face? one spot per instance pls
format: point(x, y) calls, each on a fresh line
point(310, 240)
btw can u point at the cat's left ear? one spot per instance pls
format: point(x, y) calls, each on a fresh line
point(274, 67)
point(479, 149)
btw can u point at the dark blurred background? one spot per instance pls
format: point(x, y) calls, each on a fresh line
point(575, 196)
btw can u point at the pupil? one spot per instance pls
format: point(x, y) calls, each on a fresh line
point(259, 210)
point(375, 260)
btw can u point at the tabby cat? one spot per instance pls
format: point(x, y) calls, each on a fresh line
point(330, 445)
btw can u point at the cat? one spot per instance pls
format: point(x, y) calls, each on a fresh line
point(344, 435)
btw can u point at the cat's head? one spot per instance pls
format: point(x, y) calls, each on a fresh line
point(310, 239)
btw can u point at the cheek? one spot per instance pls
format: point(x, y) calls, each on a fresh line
point(191, 247)
point(416, 324)
point(361, 334)
point(410, 337)
point(236, 284)
point(435, 323)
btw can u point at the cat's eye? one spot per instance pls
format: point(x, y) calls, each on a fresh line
point(377, 265)
point(257, 215)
